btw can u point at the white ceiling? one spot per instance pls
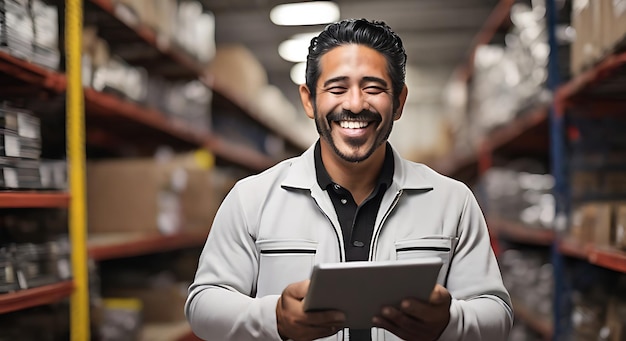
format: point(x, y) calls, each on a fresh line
point(436, 33)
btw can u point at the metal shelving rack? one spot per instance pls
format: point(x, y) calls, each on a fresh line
point(86, 110)
point(597, 91)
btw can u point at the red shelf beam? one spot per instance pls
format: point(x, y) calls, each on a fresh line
point(239, 154)
point(33, 199)
point(592, 76)
point(602, 256)
point(125, 245)
point(151, 38)
point(34, 297)
point(608, 258)
point(31, 73)
point(103, 104)
point(576, 249)
point(520, 233)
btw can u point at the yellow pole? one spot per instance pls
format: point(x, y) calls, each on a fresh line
point(79, 304)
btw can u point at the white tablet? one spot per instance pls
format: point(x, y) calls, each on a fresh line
point(360, 289)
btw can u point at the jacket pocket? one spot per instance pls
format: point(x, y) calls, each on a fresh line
point(439, 246)
point(282, 262)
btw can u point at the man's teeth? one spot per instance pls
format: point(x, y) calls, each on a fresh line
point(353, 124)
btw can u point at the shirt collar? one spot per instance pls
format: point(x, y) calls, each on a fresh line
point(384, 178)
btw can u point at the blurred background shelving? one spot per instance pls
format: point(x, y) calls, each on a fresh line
point(523, 100)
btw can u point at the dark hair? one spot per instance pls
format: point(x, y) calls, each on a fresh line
point(374, 34)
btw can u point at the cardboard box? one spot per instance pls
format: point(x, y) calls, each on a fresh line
point(582, 25)
point(130, 195)
point(615, 322)
point(160, 304)
point(619, 20)
point(592, 222)
point(620, 226)
point(146, 195)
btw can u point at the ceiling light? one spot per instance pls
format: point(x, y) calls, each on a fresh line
point(296, 49)
point(297, 73)
point(305, 13)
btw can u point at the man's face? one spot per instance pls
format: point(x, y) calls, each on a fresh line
point(353, 110)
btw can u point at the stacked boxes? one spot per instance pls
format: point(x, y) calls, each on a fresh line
point(16, 28)
point(148, 195)
point(29, 30)
point(600, 29)
point(20, 148)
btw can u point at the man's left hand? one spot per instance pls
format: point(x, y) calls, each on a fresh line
point(418, 320)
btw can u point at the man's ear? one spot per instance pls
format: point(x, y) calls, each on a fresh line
point(307, 101)
point(403, 94)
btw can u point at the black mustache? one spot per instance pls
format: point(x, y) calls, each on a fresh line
point(347, 115)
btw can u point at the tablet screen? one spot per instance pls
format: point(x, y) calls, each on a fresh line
point(361, 288)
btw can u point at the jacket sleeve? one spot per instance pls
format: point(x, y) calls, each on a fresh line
point(220, 305)
point(481, 306)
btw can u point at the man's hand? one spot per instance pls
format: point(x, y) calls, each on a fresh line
point(296, 324)
point(418, 320)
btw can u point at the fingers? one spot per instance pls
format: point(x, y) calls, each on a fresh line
point(439, 295)
point(296, 324)
point(297, 290)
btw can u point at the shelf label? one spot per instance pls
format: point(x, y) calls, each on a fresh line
point(11, 146)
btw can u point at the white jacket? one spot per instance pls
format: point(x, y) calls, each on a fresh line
point(238, 283)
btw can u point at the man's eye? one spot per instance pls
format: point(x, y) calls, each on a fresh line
point(336, 90)
point(373, 90)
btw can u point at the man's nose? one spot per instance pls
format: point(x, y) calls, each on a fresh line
point(355, 102)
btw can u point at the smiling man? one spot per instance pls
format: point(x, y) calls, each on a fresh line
point(350, 197)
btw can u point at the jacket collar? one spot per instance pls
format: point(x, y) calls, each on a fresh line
point(301, 175)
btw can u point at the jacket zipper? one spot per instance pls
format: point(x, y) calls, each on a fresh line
point(374, 244)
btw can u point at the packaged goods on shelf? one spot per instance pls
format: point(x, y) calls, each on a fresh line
point(592, 222)
point(46, 42)
point(32, 265)
point(13, 145)
point(281, 115)
point(18, 173)
point(188, 102)
point(19, 121)
point(53, 174)
point(520, 196)
point(509, 80)
point(117, 77)
point(16, 28)
point(529, 278)
point(597, 298)
point(120, 320)
point(245, 131)
point(238, 73)
point(600, 27)
point(615, 325)
point(195, 30)
point(8, 277)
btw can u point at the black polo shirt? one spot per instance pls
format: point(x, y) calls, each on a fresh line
point(357, 222)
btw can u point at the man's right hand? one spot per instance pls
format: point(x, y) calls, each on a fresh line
point(296, 324)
